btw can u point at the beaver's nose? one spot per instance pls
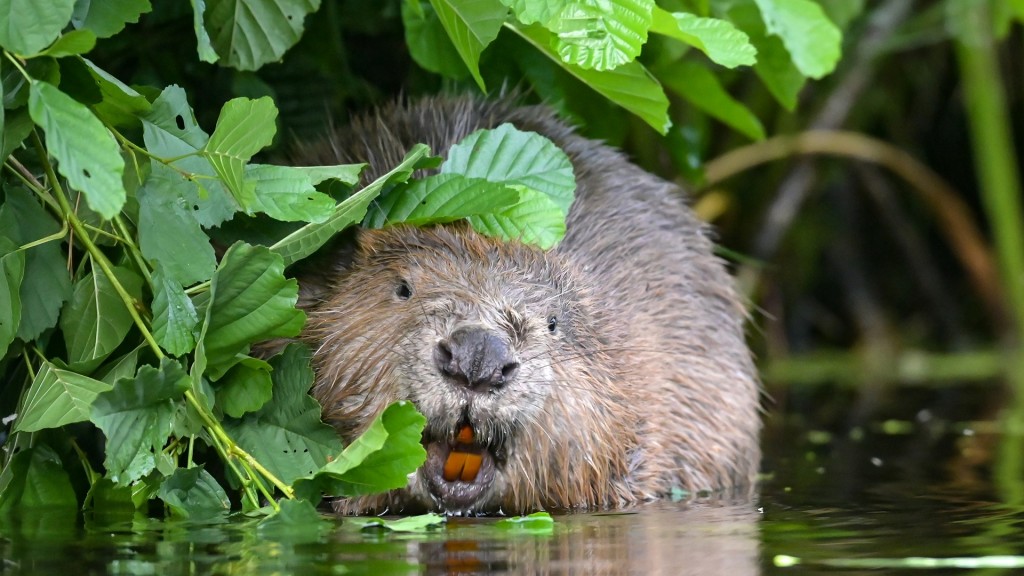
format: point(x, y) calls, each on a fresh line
point(476, 358)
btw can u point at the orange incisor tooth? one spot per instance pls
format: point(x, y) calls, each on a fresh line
point(471, 467)
point(465, 435)
point(454, 465)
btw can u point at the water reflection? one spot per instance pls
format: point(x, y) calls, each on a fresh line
point(661, 538)
point(706, 537)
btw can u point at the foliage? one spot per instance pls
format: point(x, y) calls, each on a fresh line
point(119, 315)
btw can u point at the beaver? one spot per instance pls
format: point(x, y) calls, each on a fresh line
point(606, 371)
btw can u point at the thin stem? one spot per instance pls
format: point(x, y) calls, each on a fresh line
point(30, 182)
point(955, 216)
point(94, 252)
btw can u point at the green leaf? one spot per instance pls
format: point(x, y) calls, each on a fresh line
point(439, 198)
point(294, 520)
point(601, 34)
point(194, 494)
point(381, 459)
point(244, 128)
point(30, 25)
point(121, 105)
point(174, 316)
point(108, 17)
point(251, 301)
point(71, 44)
point(57, 397)
point(344, 173)
point(812, 39)
point(536, 219)
point(136, 416)
point(307, 239)
point(38, 481)
point(420, 523)
point(204, 48)
point(46, 284)
point(250, 33)
point(95, 320)
point(535, 11)
point(247, 387)
point(536, 523)
point(630, 85)
point(169, 232)
point(86, 152)
point(701, 88)
point(17, 125)
point(170, 131)
point(287, 194)
point(508, 155)
point(774, 66)
point(718, 39)
point(472, 25)
point(428, 41)
point(286, 435)
point(12, 270)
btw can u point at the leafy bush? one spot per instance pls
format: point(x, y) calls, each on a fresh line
point(116, 313)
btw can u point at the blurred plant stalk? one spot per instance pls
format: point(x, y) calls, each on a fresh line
point(995, 162)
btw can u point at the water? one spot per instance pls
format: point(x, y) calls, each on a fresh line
point(835, 501)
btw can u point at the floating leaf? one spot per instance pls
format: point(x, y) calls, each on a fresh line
point(136, 416)
point(250, 33)
point(420, 523)
point(294, 520)
point(57, 397)
point(86, 152)
point(718, 39)
point(29, 25)
point(601, 34)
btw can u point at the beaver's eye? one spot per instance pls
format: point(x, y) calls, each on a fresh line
point(403, 291)
point(552, 323)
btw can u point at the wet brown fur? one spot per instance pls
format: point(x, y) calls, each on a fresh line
point(648, 384)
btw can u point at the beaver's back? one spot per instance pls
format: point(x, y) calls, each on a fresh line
point(675, 326)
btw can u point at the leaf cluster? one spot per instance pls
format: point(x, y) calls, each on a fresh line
point(126, 336)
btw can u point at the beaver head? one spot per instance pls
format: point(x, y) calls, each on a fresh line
point(499, 346)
